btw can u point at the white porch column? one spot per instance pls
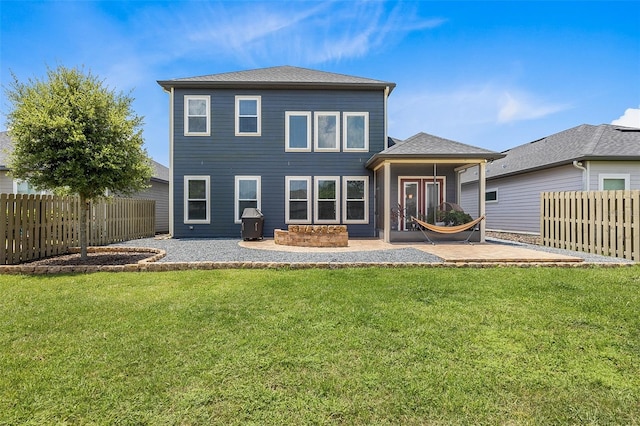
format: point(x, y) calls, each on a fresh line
point(387, 203)
point(171, 199)
point(481, 200)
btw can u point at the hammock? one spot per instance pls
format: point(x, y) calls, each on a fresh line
point(447, 229)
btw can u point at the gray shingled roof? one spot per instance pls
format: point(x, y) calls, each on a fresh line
point(426, 146)
point(282, 76)
point(581, 143)
point(160, 172)
point(6, 147)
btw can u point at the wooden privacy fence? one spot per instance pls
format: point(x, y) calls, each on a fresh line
point(37, 226)
point(598, 222)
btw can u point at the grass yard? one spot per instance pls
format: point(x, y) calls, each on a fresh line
point(350, 346)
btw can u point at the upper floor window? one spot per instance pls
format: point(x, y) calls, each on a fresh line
point(356, 131)
point(297, 131)
point(248, 115)
point(247, 195)
point(196, 199)
point(196, 115)
point(327, 209)
point(327, 131)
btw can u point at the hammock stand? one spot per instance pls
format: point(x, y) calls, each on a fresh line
point(447, 229)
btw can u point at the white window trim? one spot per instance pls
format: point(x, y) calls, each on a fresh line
point(497, 196)
point(289, 114)
point(316, 131)
point(345, 129)
point(345, 179)
point(603, 176)
point(288, 220)
point(207, 100)
point(237, 213)
point(207, 186)
point(17, 182)
point(316, 200)
point(258, 100)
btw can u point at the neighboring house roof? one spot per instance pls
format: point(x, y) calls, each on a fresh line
point(278, 77)
point(423, 145)
point(5, 150)
point(582, 143)
point(160, 172)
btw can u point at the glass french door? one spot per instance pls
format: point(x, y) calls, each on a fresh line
point(420, 197)
point(432, 200)
point(410, 193)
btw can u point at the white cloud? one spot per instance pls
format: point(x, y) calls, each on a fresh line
point(630, 118)
point(473, 106)
point(289, 32)
point(518, 106)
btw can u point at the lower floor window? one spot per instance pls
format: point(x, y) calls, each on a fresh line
point(614, 182)
point(491, 196)
point(326, 201)
point(355, 199)
point(298, 208)
point(196, 199)
point(308, 199)
point(327, 195)
point(247, 195)
point(23, 187)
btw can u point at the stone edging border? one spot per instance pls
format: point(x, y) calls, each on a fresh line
point(57, 269)
point(147, 265)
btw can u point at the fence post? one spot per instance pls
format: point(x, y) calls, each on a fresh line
point(4, 228)
point(635, 226)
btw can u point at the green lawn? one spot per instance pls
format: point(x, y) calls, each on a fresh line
point(348, 346)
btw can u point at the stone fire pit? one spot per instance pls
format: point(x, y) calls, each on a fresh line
point(313, 236)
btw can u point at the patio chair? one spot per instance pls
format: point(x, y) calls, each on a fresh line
point(446, 229)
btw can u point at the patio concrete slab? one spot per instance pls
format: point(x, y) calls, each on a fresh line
point(448, 252)
point(499, 253)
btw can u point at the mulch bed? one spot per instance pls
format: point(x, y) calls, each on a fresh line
point(94, 259)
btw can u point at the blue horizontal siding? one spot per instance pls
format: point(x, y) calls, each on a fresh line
point(222, 155)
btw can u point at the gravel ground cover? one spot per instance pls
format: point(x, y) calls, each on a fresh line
point(587, 257)
point(228, 250)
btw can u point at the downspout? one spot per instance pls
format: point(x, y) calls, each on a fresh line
point(585, 179)
point(386, 136)
point(171, 200)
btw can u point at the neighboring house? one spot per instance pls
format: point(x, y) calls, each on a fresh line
point(304, 147)
point(583, 158)
point(158, 190)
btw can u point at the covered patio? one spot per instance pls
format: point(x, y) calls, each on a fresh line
point(420, 177)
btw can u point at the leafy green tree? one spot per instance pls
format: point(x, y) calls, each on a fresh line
point(73, 135)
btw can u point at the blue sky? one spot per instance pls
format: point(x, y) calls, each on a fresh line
point(490, 74)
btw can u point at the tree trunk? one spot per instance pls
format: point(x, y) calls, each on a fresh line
point(84, 212)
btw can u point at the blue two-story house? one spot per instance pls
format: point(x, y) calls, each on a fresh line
point(304, 147)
